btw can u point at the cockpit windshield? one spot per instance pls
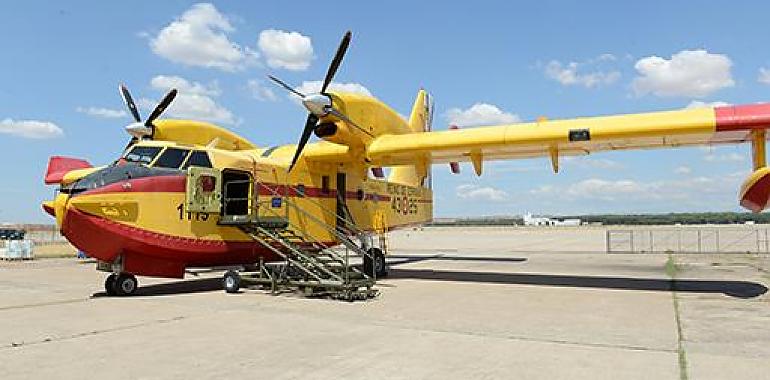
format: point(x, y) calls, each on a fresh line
point(142, 154)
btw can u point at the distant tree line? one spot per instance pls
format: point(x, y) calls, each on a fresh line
point(677, 218)
point(620, 219)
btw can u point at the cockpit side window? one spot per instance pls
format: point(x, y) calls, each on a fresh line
point(142, 154)
point(198, 158)
point(171, 158)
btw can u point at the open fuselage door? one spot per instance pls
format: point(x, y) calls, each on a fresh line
point(203, 190)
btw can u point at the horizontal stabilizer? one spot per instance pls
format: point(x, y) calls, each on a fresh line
point(58, 166)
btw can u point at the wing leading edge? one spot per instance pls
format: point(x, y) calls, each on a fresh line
point(579, 136)
point(704, 126)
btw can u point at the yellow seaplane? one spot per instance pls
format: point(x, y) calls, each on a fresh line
point(187, 194)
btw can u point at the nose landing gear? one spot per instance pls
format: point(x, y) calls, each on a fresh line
point(120, 284)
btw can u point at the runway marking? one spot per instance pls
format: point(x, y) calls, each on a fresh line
point(531, 339)
point(13, 345)
point(41, 304)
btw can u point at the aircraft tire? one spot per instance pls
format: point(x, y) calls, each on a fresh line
point(231, 281)
point(125, 284)
point(109, 285)
point(375, 263)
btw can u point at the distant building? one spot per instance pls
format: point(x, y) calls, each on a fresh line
point(530, 220)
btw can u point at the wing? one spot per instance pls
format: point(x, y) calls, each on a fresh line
point(544, 138)
point(732, 124)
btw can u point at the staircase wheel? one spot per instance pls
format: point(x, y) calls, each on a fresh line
point(374, 263)
point(231, 281)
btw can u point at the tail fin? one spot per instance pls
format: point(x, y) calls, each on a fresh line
point(420, 120)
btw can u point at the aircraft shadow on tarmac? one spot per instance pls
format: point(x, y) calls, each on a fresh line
point(738, 289)
point(401, 259)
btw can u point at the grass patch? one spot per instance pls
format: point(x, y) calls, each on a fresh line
point(672, 269)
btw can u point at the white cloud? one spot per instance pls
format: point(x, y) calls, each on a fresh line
point(199, 38)
point(259, 91)
point(683, 170)
point(286, 50)
point(690, 73)
point(480, 114)
point(624, 190)
point(726, 157)
point(606, 57)
point(573, 73)
point(102, 112)
point(700, 104)
point(194, 100)
point(167, 82)
point(310, 87)
point(32, 129)
point(764, 75)
point(602, 189)
point(592, 163)
point(481, 193)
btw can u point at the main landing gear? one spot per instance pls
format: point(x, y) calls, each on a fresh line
point(120, 284)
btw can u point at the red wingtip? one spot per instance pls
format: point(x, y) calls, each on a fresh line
point(747, 116)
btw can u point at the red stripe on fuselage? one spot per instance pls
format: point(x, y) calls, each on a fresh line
point(177, 183)
point(153, 184)
point(749, 116)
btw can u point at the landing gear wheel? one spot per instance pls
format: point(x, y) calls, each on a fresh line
point(125, 284)
point(231, 281)
point(109, 284)
point(375, 263)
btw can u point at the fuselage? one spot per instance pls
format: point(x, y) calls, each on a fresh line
point(136, 211)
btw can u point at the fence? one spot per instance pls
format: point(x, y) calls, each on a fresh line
point(689, 239)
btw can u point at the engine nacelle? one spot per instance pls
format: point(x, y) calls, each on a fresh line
point(338, 132)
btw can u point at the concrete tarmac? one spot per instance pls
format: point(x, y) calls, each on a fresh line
point(459, 303)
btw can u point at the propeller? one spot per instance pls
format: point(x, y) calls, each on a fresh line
point(319, 104)
point(139, 129)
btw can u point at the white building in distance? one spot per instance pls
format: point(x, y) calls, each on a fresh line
point(530, 220)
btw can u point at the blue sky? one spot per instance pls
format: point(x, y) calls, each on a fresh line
point(62, 63)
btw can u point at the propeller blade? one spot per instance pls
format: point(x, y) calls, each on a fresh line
point(310, 124)
point(286, 86)
point(346, 119)
point(164, 103)
point(129, 102)
point(336, 61)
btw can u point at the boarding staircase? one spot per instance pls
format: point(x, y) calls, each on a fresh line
point(308, 264)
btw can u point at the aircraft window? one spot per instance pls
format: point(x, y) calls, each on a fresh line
point(198, 158)
point(171, 158)
point(142, 154)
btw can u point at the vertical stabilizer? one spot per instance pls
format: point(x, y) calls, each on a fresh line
point(420, 120)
